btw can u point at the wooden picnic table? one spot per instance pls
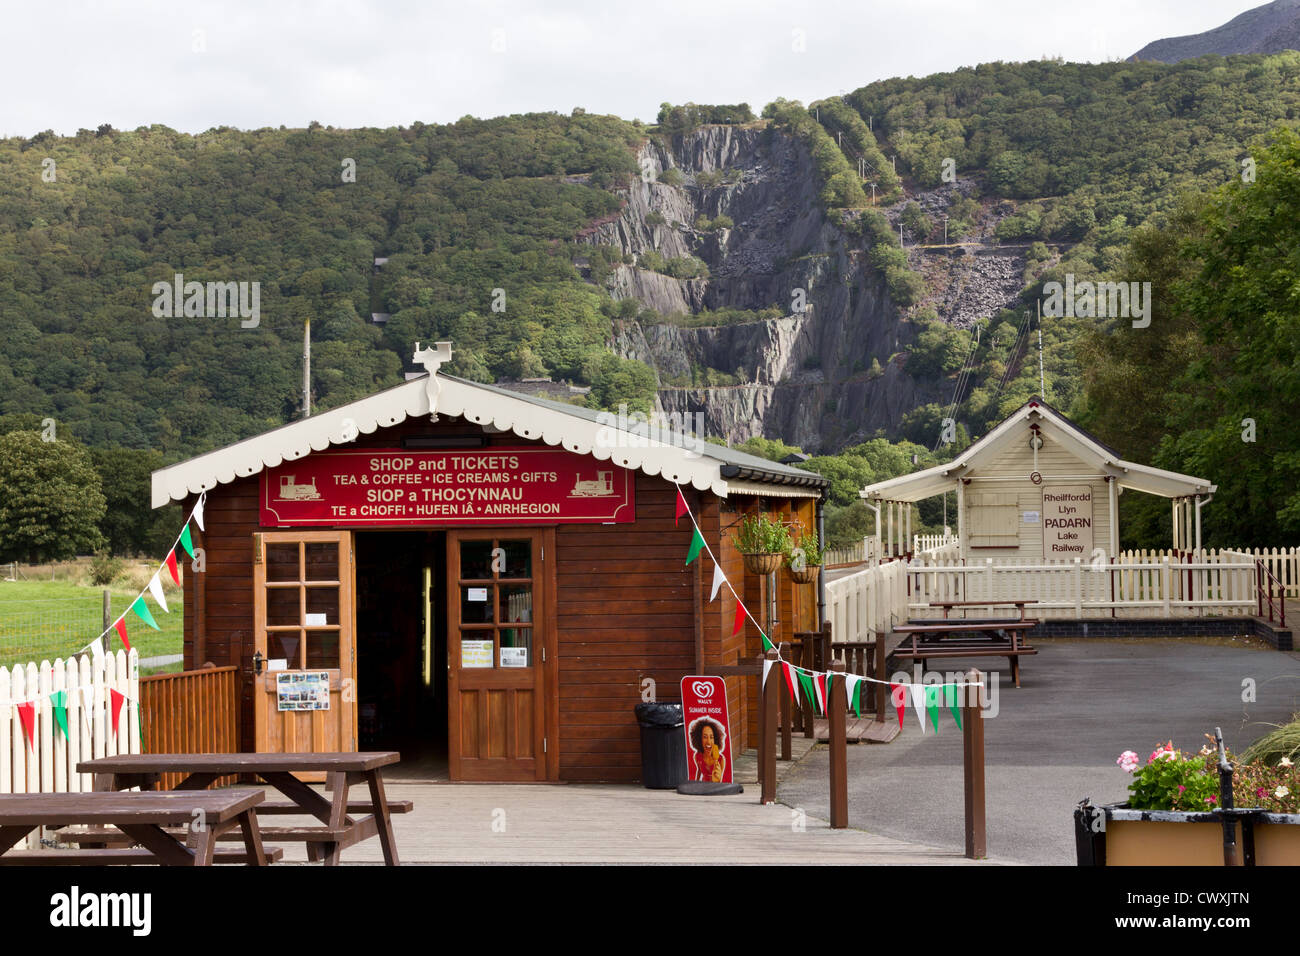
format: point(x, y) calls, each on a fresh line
point(949, 605)
point(143, 819)
point(339, 829)
point(932, 638)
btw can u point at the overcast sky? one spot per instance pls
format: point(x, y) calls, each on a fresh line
point(196, 65)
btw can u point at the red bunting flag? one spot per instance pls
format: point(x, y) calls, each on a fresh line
point(171, 566)
point(681, 507)
point(898, 695)
point(740, 618)
point(789, 680)
point(823, 698)
point(27, 712)
point(117, 700)
point(120, 624)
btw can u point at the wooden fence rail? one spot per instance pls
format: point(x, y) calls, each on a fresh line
point(191, 712)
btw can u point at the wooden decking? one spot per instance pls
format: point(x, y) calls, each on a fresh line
point(866, 730)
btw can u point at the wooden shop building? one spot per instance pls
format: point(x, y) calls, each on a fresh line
point(490, 581)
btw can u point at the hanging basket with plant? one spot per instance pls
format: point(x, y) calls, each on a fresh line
point(763, 543)
point(803, 556)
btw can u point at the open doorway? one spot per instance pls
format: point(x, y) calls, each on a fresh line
point(402, 649)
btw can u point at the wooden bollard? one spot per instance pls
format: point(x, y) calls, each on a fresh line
point(787, 718)
point(882, 690)
point(837, 710)
point(767, 733)
point(972, 728)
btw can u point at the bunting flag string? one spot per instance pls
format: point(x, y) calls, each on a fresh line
point(812, 686)
point(155, 587)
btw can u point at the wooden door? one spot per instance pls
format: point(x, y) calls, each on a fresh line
point(500, 662)
point(305, 616)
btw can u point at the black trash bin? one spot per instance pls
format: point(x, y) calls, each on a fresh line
point(663, 745)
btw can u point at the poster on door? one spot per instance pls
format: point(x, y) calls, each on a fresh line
point(1067, 523)
point(708, 729)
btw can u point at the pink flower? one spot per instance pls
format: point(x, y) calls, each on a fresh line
point(1260, 792)
point(1164, 751)
point(1212, 798)
point(1181, 788)
point(1128, 761)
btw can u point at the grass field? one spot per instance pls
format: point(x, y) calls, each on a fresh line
point(42, 620)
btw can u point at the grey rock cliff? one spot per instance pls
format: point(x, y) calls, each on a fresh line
point(805, 377)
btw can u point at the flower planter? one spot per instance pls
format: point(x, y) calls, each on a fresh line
point(807, 576)
point(763, 563)
point(1117, 836)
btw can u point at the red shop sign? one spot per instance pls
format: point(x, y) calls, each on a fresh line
point(708, 729)
point(486, 486)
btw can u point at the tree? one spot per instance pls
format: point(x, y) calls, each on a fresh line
point(51, 500)
point(130, 525)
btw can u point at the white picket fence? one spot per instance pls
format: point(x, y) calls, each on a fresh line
point(867, 603)
point(859, 552)
point(50, 765)
point(928, 543)
point(1217, 584)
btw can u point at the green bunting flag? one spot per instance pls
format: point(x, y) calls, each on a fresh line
point(697, 543)
point(806, 687)
point(767, 645)
point(60, 701)
point(950, 701)
point(186, 542)
point(932, 705)
point(142, 611)
point(855, 698)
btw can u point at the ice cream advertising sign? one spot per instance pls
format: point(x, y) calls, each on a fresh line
point(1067, 523)
point(708, 729)
point(489, 486)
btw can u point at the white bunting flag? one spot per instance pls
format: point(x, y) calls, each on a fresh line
point(850, 681)
point(767, 666)
point(198, 511)
point(918, 702)
point(155, 588)
point(719, 579)
point(96, 649)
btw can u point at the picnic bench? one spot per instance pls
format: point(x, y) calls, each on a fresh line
point(950, 605)
point(929, 638)
point(338, 828)
point(172, 828)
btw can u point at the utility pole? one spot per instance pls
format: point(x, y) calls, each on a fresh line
point(873, 194)
point(306, 368)
point(945, 230)
point(1042, 378)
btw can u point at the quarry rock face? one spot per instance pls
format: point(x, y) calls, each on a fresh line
point(806, 376)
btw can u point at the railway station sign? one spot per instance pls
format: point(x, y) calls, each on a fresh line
point(483, 486)
point(1067, 522)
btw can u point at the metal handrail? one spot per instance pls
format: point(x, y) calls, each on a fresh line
point(1264, 575)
